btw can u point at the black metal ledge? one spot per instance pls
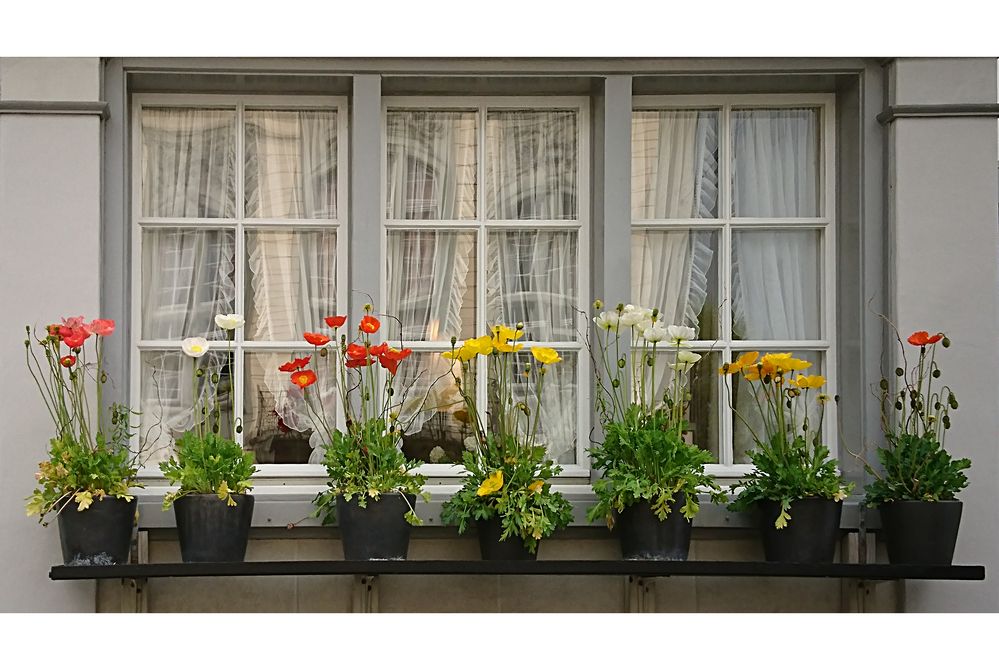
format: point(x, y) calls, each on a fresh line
point(869, 571)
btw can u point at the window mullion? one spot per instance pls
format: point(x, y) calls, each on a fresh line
point(240, 306)
point(482, 369)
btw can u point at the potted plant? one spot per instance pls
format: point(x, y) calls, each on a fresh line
point(86, 478)
point(919, 480)
point(795, 485)
point(508, 492)
point(372, 486)
point(651, 473)
point(212, 506)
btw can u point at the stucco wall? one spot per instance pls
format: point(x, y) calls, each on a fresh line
point(50, 192)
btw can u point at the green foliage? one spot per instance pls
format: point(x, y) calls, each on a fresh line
point(208, 463)
point(76, 473)
point(367, 463)
point(788, 471)
point(510, 480)
point(645, 457)
point(916, 467)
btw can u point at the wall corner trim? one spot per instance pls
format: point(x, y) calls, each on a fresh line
point(55, 107)
point(893, 112)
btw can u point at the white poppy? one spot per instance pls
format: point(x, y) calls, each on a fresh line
point(229, 321)
point(678, 335)
point(635, 316)
point(195, 347)
point(607, 321)
point(655, 333)
point(685, 360)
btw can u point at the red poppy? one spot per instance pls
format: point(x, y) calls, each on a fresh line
point(53, 330)
point(921, 338)
point(378, 349)
point(357, 355)
point(335, 321)
point(317, 339)
point(74, 337)
point(67, 361)
point(391, 358)
point(102, 327)
point(370, 324)
point(303, 378)
point(295, 364)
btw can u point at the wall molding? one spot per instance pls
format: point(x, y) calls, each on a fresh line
point(55, 107)
point(893, 112)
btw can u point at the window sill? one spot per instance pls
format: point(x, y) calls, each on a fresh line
point(280, 506)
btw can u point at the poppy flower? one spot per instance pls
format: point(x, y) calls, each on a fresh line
point(67, 361)
point(74, 337)
point(370, 324)
point(316, 339)
point(546, 355)
point(492, 484)
point(73, 321)
point(921, 338)
point(102, 327)
point(53, 330)
point(391, 358)
point(303, 378)
point(357, 356)
point(295, 364)
point(335, 321)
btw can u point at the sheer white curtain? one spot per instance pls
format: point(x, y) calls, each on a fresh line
point(675, 175)
point(775, 273)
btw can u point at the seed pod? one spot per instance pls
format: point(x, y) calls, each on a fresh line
point(898, 405)
point(621, 363)
point(649, 361)
point(899, 372)
point(390, 391)
point(766, 379)
point(615, 383)
point(323, 352)
point(937, 406)
point(215, 378)
point(788, 403)
point(946, 342)
point(215, 428)
point(27, 343)
point(239, 429)
point(936, 373)
point(104, 378)
point(884, 384)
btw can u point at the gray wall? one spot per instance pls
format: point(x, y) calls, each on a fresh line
point(50, 215)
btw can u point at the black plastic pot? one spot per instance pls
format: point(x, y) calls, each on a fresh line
point(917, 531)
point(644, 536)
point(809, 537)
point(377, 531)
point(510, 549)
point(100, 534)
point(211, 531)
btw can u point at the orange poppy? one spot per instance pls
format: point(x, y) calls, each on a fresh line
point(370, 324)
point(335, 321)
point(303, 378)
point(391, 358)
point(357, 356)
point(316, 339)
point(921, 338)
point(295, 364)
point(67, 361)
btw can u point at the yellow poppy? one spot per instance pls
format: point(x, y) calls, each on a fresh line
point(536, 486)
point(493, 483)
point(505, 334)
point(546, 355)
point(481, 345)
point(506, 347)
point(464, 353)
point(746, 360)
point(774, 364)
point(809, 381)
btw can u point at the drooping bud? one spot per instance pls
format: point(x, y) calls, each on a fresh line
point(899, 372)
point(945, 342)
point(621, 363)
point(199, 373)
point(936, 373)
point(883, 384)
point(215, 378)
point(615, 383)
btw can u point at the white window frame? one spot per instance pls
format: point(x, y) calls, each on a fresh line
point(725, 223)
point(482, 226)
point(239, 225)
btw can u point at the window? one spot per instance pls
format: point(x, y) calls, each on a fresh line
point(238, 206)
point(732, 234)
point(486, 222)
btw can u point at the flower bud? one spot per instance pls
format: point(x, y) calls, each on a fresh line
point(621, 363)
point(952, 401)
point(199, 373)
point(936, 373)
point(946, 421)
point(239, 429)
point(368, 307)
point(615, 383)
point(104, 377)
point(884, 384)
point(898, 405)
point(454, 340)
point(620, 307)
point(390, 391)
point(519, 325)
point(215, 428)
point(215, 378)
point(945, 342)
point(899, 372)
point(836, 398)
point(598, 304)
point(323, 353)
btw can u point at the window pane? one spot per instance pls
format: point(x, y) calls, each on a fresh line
point(674, 164)
point(702, 384)
point(431, 165)
point(168, 387)
point(291, 164)
point(532, 279)
point(775, 162)
point(431, 410)
point(746, 406)
point(559, 416)
point(531, 165)
point(776, 284)
point(188, 162)
point(290, 283)
point(281, 422)
point(676, 271)
point(431, 284)
point(188, 276)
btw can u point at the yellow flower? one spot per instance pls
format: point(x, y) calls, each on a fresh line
point(480, 345)
point(546, 355)
point(744, 361)
point(493, 483)
point(809, 381)
point(506, 347)
point(774, 364)
point(464, 353)
point(536, 486)
point(502, 335)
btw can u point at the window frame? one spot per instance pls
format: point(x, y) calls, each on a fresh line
point(482, 226)
point(239, 225)
point(725, 223)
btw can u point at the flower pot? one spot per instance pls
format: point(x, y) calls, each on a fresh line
point(100, 534)
point(211, 531)
point(644, 536)
point(809, 537)
point(510, 549)
point(377, 531)
point(918, 531)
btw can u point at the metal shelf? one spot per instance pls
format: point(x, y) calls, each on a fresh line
point(868, 571)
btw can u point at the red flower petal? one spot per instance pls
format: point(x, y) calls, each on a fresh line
point(935, 338)
point(370, 324)
point(335, 321)
point(919, 338)
point(303, 378)
point(317, 339)
point(356, 351)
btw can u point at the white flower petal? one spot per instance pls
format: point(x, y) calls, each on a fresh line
point(195, 347)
